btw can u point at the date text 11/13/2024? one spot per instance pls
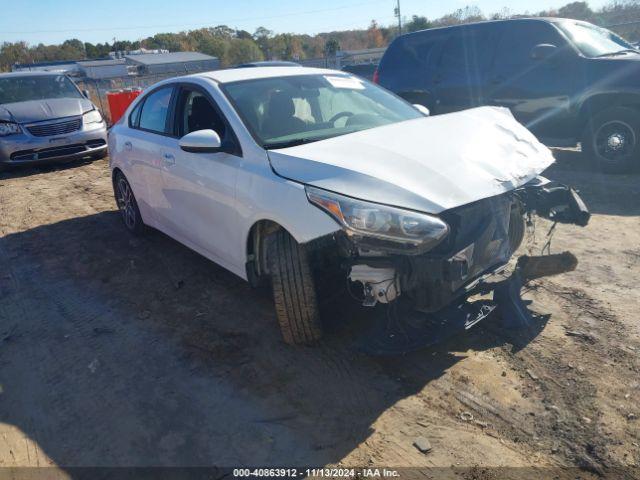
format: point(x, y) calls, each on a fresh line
point(315, 472)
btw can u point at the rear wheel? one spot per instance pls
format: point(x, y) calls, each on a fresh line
point(127, 205)
point(612, 139)
point(294, 291)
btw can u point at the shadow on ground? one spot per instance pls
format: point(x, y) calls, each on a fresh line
point(603, 193)
point(26, 171)
point(120, 351)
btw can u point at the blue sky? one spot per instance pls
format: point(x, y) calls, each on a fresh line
point(52, 21)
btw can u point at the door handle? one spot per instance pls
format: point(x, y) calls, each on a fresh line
point(168, 159)
point(128, 146)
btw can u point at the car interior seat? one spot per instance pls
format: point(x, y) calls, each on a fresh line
point(203, 116)
point(280, 118)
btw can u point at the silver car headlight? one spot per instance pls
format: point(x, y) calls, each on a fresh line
point(92, 117)
point(9, 128)
point(368, 221)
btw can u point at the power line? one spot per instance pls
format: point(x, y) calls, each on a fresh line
point(217, 22)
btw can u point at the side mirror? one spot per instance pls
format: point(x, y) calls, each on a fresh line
point(200, 141)
point(543, 51)
point(85, 93)
point(422, 109)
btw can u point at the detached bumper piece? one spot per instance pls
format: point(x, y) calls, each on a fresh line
point(403, 329)
point(556, 202)
point(407, 330)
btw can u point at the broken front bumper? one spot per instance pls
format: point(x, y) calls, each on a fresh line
point(436, 286)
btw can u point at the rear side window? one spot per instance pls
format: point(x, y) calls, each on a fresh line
point(154, 111)
point(518, 39)
point(409, 52)
point(468, 49)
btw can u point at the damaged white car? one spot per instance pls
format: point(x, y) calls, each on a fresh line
point(309, 178)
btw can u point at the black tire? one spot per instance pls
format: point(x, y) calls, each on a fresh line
point(127, 205)
point(294, 292)
point(517, 227)
point(612, 140)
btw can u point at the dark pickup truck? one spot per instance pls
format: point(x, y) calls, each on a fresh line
point(568, 81)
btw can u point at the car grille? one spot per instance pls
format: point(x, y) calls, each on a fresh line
point(55, 152)
point(58, 128)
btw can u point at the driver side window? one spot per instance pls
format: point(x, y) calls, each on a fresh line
point(196, 112)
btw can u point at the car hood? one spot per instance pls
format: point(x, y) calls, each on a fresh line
point(39, 110)
point(429, 164)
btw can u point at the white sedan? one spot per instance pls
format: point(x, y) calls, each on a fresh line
point(297, 175)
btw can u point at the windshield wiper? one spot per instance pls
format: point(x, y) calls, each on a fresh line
point(290, 143)
point(619, 52)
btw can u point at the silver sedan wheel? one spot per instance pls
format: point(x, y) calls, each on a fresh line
point(126, 203)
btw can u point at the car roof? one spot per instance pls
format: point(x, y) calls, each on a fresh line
point(30, 73)
point(493, 22)
point(268, 63)
point(238, 74)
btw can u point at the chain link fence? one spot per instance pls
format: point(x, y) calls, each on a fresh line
point(98, 88)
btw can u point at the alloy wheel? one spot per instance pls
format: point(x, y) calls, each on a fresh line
point(126, 203)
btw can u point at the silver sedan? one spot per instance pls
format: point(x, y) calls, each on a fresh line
point(44, 117)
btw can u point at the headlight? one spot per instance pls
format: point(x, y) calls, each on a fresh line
point(9, 128)
point(92, 117)
point(376, 226)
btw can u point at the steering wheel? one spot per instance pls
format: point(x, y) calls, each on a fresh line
point(338, 115)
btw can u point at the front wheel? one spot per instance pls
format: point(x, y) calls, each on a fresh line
point(127, 205)
point(612, 139)
point(294, 291)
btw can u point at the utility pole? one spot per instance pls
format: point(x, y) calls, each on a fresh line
point(397, 14)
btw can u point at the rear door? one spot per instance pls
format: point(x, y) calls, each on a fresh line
point(199, 188)
point(464, 67)
point(147, 134)
point(538, 91)
point(406, 68)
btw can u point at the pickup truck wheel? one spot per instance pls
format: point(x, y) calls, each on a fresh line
point(127, 205)
point(294, 292)
point(612, 139)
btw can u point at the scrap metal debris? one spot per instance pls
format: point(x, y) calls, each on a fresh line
point(422, 444)
point(466, 416)
point(582, 335)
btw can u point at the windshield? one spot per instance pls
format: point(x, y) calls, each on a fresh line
point(41, 87)
point(286, 111)
point(594, 41)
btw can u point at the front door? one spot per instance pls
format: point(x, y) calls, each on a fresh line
point(538, 91)
point(199, 188)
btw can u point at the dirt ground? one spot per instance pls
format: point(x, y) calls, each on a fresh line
point(118, 351)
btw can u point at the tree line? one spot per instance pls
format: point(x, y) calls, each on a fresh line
point(233, 46)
